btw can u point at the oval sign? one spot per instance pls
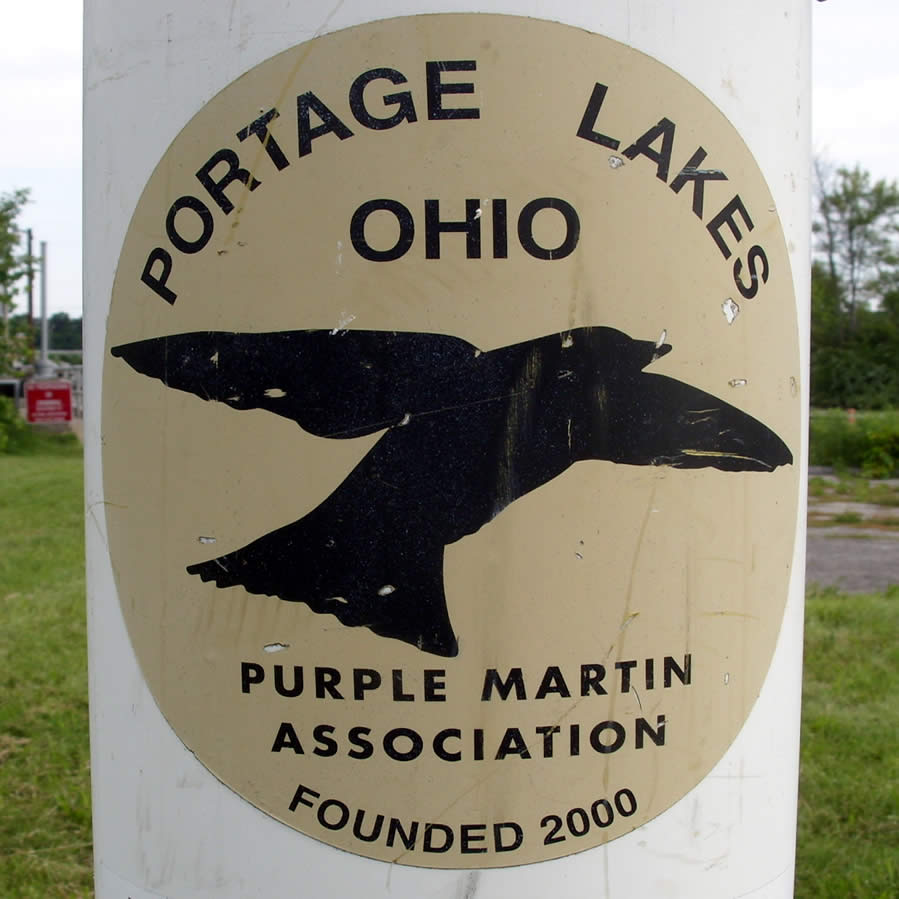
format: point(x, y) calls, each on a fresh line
point(451, 424)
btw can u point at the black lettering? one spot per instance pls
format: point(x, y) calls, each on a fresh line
point(250, 673)
point(553, 682)
point(500, 230)
point(547, 732)
point(478, 744)
point(591, 114)
point(504, 688)
point(179, 242)
point(644, 730)
point(299, 797)
point(625, 668)
point(756, 254)
point(287, 738)
point(437, 88)
point(403, 241)
point(375, 830)
point(297, 687)
point(574, 739)
point(159, 285)
point(414, 750)
point(327, 744)
point(365, 679)
point(642, 146)
point(398, 694)
point(439, 744)
point(526, 228)
point(216, 189)
point(517, 838)
point(591, 680)
point(512, 743)
point(727, 217)
point(403, 100)
point(554, 822)
point(692, 172)
point(428, 844)
point(435, 686)
point(363, 748)
point(471, 227)
point(329, 122)
point(395, 829)
point(259, 127)
point(617, 742)
point(342, 811)
point(326, 681)
point(469, 834)
point(682, 674)
point(649, 671)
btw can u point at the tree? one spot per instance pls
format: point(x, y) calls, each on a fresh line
point(65, 332)
point(857, 224)
point(855, 290)
point(14, 339)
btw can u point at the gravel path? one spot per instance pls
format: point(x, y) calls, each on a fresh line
point(856, 559)
point(860, 563)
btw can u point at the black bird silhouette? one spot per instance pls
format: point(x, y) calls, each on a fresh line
point(467, 433)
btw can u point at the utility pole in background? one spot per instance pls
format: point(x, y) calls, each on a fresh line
point(30, 281)
point(43, 367)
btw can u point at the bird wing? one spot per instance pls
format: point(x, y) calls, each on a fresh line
point(340, 385)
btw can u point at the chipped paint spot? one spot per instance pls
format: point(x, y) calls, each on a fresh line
point(615, 162)
point(567, 341)
point(214, 358)
point(275, 647)
point(275, 392)
point(730, 309)
point(386, 590)
point(337, 599)
point(342, 323)
point(478, 213)
point(662, 337)
point(205, 539)
point(794, 387)
point(726, 678)
point(404, 420)
point(738, 382)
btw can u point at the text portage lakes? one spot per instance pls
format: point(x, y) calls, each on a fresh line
point(495, 227)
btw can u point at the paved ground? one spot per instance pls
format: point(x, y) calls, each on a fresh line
point(857, 557)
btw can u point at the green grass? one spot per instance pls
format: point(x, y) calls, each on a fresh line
point(45, 838)
point(849, 784)
point(854, 489)
point(848, 808)
point(870, 444)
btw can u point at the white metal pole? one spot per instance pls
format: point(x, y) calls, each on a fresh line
point(640, 166)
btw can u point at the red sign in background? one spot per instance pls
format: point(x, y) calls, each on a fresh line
point(48, 401)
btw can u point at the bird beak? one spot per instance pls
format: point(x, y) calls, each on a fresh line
point(667, 422)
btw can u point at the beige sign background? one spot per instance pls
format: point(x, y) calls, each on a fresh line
point(641, 603)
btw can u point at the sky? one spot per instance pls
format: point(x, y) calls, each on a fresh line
point(855, 83)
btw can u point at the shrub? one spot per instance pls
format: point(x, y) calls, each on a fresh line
point(14, 433)
point(870, 445)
